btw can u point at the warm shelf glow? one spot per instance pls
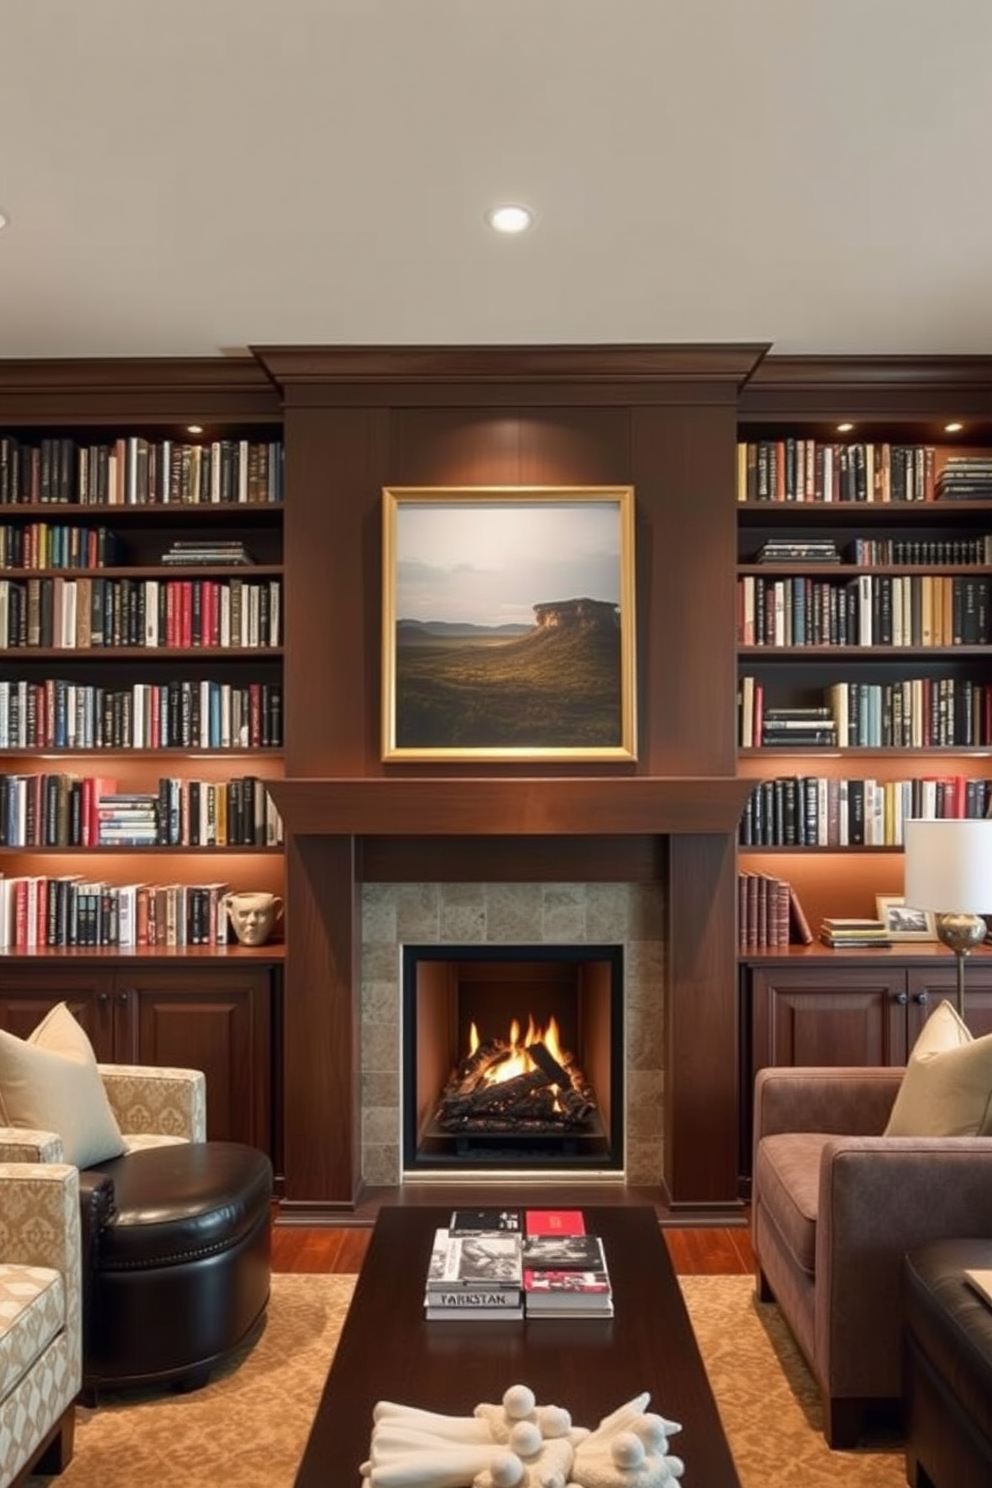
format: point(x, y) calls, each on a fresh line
point(954, 428)
point(845, 428)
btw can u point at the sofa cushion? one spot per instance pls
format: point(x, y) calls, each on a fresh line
point(787, 1175)
point(947, 1088)
point(50, 1082)
point(32, 1313)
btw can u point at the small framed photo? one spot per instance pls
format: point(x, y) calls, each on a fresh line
point(904, 923)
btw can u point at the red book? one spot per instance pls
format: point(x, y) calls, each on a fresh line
point(554, 1222)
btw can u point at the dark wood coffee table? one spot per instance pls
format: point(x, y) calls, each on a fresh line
point(388, 1352)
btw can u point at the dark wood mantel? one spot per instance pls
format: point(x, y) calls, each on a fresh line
point(535, 806)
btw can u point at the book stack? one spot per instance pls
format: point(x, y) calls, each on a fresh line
point(797, 728)
point(564, 1269)
point(206, 551)
point(852, 934)
point(965, 478)
point(476, 1268)
point(807, 550)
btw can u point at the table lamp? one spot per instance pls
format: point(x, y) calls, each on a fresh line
point(949, 873)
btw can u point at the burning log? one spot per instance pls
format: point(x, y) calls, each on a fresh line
point(473, 1069)
point(502, 1093)
point(568, 1096)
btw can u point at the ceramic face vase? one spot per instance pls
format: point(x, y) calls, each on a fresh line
point(253, 915)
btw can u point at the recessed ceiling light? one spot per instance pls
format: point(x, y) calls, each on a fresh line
point(844, 428)
point(953, 428)
point(510, 218)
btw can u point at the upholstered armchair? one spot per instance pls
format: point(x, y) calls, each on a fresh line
point(40, 1316)
point(835, 1204)
point(174, 1228)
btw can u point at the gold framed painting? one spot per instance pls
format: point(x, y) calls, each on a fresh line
point(508, 623)
point(903, 923)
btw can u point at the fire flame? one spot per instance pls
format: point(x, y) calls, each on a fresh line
point(517, 1060)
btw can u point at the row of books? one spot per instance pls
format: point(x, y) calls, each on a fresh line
point(827, 811)
point(908, 713)
point(206, 714)
point(869, 610)
point(769, 913)
point(87, 613)
point(56, 809)
point(57, 545)
point(811, 470)
point(56, 913)
point(134, 471)
point(499, 1265)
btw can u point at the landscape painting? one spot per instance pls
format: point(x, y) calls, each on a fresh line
point(508, 623)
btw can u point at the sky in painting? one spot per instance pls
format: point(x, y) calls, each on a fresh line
point(490, 563)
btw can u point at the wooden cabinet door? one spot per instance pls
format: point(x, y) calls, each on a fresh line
point(843, 1015)
point(28, 993)
point(929, 985)
point(213, 1019)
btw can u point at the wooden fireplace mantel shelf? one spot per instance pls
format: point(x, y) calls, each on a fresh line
point(520, 805)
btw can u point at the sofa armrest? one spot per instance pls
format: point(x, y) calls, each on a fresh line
point(878, 1198)
point(20, 1145)
point(847, 1100)
point(39, 1216)
point(145, 1098)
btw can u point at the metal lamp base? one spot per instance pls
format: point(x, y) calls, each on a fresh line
point(962, 933)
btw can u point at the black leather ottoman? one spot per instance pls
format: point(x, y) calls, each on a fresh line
point(176, 1261)
point(948, 1367)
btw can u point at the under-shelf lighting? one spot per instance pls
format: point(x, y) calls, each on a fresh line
point(510, 218)
point(954, 428)
point(194, 428)
point(844, 428)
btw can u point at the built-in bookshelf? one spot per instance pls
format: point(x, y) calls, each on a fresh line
point(142, 712)
point(863, 628)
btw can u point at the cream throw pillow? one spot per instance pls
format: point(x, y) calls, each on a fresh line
point(947, 1088)
point(50, 1082)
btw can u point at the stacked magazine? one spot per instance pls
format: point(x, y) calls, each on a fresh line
point(476, 1268)
point(565, 1272)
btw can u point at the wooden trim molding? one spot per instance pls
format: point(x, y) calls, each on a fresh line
point(519, 806)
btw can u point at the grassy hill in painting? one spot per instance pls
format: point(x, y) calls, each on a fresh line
point(556, 686)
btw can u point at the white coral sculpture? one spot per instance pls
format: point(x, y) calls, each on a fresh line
point(519, 1444)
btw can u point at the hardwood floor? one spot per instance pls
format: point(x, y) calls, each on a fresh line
point(709, 1251)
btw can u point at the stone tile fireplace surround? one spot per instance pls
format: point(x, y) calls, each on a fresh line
point(626, 914)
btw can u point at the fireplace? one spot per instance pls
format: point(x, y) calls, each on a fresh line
point(615, 924)
point(512, 1058)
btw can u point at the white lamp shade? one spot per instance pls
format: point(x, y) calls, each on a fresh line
point(949, 866)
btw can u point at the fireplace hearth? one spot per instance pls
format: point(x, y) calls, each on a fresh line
point(513, 1057)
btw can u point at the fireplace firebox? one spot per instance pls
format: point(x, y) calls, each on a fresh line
point(512, 1057)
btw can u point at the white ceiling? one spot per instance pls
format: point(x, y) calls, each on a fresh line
point(195, 176)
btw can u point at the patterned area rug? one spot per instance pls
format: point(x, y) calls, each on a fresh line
point(768, 1402)
point(249, 1426)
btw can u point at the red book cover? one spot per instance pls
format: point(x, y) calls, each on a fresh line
point(554, 1222)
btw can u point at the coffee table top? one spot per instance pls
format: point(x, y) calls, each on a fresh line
point(388, 1351)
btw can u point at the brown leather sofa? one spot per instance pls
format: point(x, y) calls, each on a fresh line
point(948, 1367)
point(834, 1207)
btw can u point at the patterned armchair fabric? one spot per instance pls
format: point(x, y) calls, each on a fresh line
point(40, 1313)
point(153, 1106)
point(157, 1102)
